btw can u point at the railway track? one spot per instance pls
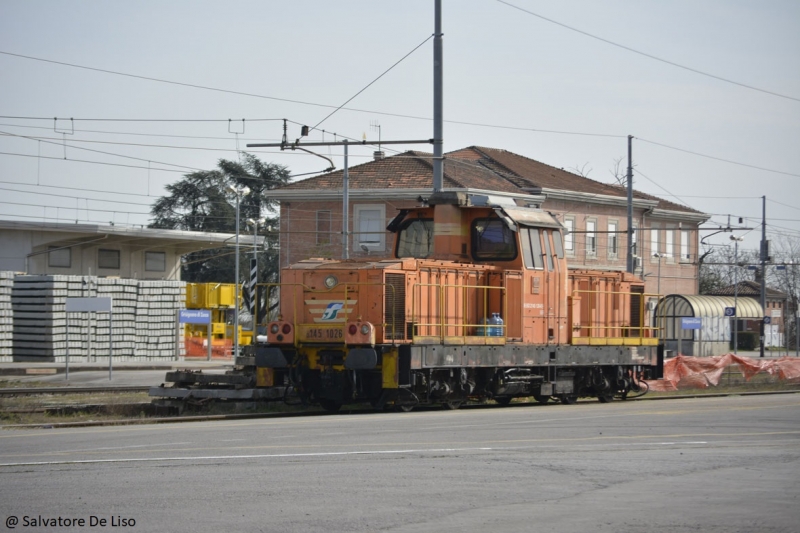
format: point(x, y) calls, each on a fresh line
point(244, 416)
point(30, 391)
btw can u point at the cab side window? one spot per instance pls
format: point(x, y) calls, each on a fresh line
point(492, 240)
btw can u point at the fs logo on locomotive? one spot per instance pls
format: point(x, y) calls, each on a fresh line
point(331, 311)
point(334, 311)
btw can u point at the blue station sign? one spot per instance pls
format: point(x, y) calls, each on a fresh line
point(194, 316)
point(691, 323)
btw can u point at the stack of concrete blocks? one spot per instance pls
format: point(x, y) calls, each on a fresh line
point(6, 316)
point(40, 325)
point(143, 321)
point(156, 310)
point(124, 295)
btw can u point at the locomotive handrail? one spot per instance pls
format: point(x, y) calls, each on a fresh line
point(306, 288)
point(645, 332)
point(442, 325)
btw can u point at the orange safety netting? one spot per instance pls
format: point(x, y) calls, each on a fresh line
point(684, 372)
point(196, 347)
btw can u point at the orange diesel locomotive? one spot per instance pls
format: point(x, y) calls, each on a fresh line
point(477, 303)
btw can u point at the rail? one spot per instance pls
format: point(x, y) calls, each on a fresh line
point(29, 391)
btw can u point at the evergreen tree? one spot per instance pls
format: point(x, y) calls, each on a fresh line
point(201, 201)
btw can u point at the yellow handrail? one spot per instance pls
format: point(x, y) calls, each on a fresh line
point(645, 332)
point(442, 325)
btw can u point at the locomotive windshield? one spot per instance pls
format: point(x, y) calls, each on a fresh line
point(416, 239)
point(492, 240)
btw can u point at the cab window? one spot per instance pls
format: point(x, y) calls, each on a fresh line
point(531, 248)
point(492, 240)
point(415, 239)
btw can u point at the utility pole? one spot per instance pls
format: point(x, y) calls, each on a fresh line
point(345, 205)
point(764, 252)
point(631, 262)
point(438, 114)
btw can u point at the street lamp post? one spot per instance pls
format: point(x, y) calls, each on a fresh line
point(736, 240)
point(658, 286)
point(238, 192)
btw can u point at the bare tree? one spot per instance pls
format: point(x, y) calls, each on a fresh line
point(720, 267)
point(581, 171)
point(619, 172)
point(786, 278)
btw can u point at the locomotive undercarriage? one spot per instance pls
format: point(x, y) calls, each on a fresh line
point(417, 376)
point(452, 387)
point(328, 384)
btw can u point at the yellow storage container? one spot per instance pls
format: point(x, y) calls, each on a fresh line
point(210, 295)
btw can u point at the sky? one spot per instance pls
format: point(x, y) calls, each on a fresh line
point(710, 90)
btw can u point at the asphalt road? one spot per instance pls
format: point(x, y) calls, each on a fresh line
point(712, 465)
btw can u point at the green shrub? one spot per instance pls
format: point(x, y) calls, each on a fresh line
point(747, 340)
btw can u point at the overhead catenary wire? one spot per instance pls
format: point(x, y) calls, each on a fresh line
point(372, 82)
point(650, 56)
point(8, 134)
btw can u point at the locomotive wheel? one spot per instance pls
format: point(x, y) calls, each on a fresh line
point(542, 399)
point(503, 400)
point(568, 399)
point(605, 398)
point(453, 404)
point(405, 408)
point(331, 406)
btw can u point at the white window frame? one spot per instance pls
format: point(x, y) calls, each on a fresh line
point(655, 242)
point(591, 237)
point(569, 235)
point(358, 235)
point(669, 244)
point(685, 255)
point(613, 239)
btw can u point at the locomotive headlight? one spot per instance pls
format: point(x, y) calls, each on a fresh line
point(364, 329)
point(331, 282)
point(274, 328)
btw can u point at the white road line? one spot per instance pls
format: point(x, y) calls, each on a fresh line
point(327, 454)
point(122, 447)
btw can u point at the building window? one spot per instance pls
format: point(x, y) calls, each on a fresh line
point(370, 224)
point(685, 246)
point(591, 238)
point(635, 241)
point(323, 227)
point(612, 239)
point(108, 259)
point(155, 261)
point(669, 243)
point(59, 257)
point(569, 238)
point(655, 245)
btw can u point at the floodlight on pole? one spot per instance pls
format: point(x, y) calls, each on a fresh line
point(659, 256)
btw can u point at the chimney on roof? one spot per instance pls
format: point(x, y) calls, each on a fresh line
point(378, 155)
